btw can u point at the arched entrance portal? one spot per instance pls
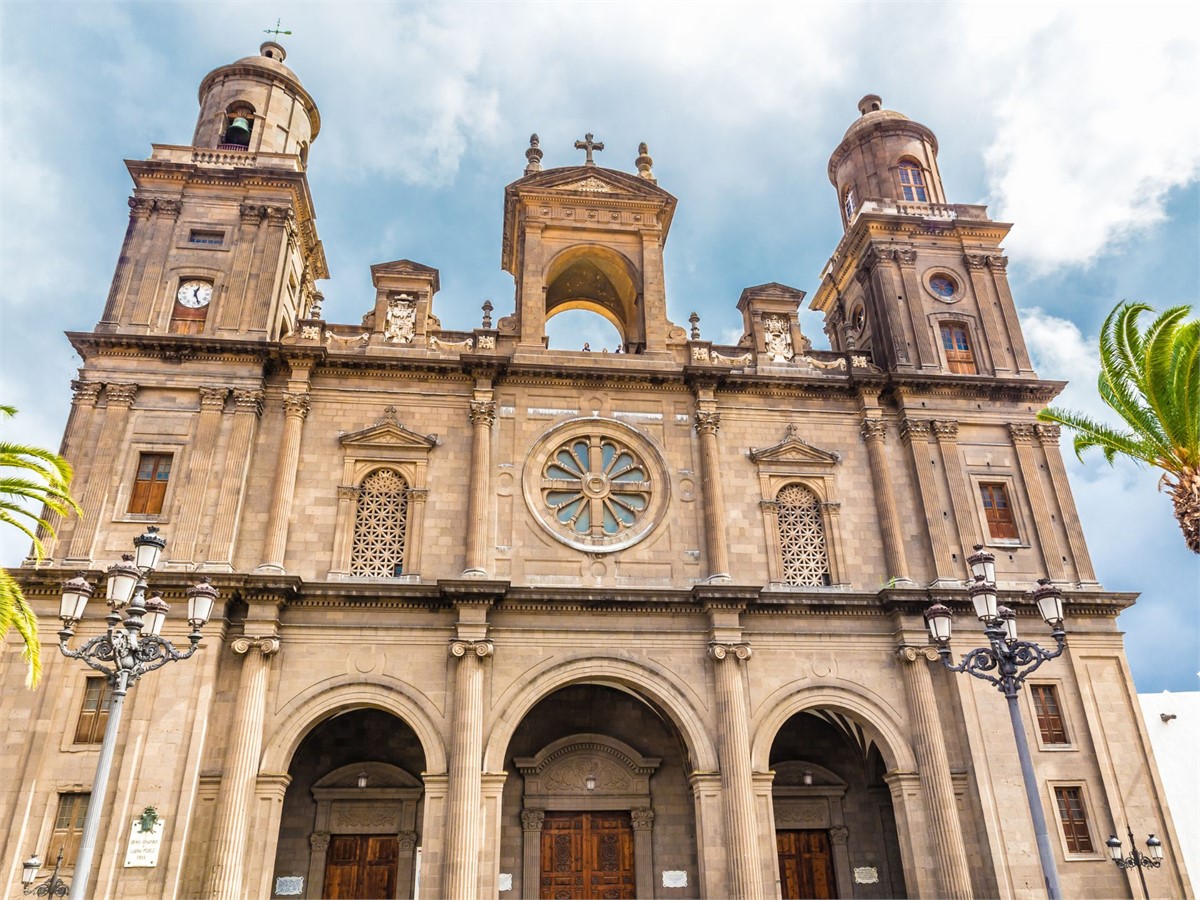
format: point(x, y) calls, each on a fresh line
point(835, 828)
point(597, 802)
point(352, 814)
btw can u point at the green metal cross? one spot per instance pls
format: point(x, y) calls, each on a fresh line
point(276, 30)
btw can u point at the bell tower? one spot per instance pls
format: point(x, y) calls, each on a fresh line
point(222, 238)
point(919, 282)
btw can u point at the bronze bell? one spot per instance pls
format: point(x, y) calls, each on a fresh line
point(238, 132)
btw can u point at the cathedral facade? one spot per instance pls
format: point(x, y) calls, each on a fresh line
point(501, 620)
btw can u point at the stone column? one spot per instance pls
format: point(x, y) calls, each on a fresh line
point(295, 410)
point(189, 509)
point(532, 821)
point(873, 433)
point(246, 411)
point(946, 434)
point(241, 767)
point(1043, 522)
point(933, 769)
point(464, 824)
point(79, 425)
point(112, 432)
point(915, 433)
point(643, 850)
point(708, 421)
point(483, 417)
point(737, 776)
point(1048, 436)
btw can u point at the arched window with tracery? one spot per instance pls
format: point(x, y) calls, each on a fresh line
point(802, 537)
point(912, 182)
point(380, 525)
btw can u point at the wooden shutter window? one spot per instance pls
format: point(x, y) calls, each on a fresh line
point(998, 511)
point(68, 827)
point(1049, 714)
point(959, 356)
point(93, 715)
point(150, 487)
point(1074, 820)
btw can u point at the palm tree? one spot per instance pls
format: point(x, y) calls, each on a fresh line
point(1152, 380)
point(39, 477)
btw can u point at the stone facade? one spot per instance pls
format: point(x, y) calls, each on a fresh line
point(678, 587)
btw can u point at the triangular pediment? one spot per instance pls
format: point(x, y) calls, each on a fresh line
point(406, 268)
point(593, 181)
point(793, 450)
point(388, 434)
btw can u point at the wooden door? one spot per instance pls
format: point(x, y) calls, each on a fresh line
point(805, 865)
point(587, 856)
point(361, 867)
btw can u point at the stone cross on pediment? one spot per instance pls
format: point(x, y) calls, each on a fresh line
point(589, 145)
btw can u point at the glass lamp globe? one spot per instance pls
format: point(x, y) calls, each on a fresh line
point(201, 596)
point(122, 579)
point(1154, 845)
point(939, 619)
point(983, 564)
point(1114, 847)
point(29, 870)
point(983, 596)
point(1009, 620)
point(1049, 601)
point(75, 596)
point(149, 548)
point(155, 615)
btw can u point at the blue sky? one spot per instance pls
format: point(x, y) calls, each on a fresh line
point(1082, 128)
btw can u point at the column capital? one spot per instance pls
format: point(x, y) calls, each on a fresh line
point(975, 260)
point(483, 413)
point(912, 654)
point(348, 491)
point(1021, 433)
point(642, 818)
point(213, 398)
point(1048, 434)
point(771, 506)
point(914, 429)
point(120, 394)
point(707, 422)
point(265, 645)
point(408, 839)
point(906, 258)
point(838, 835)
point(85, 391)
point(945, 429)
point(318, 841)
point(248, 401)
point(719, 650)
point(998, 263)
point(417, 495)
point(295, 405)
point(532, 819)
point(874, 430)
point(482, 648)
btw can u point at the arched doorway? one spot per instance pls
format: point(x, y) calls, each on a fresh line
point(598, 801)
point(835, 828)
point(352, 814)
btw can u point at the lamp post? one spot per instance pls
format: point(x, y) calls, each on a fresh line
point(52, 886)
point(124, 653)
point(1005, 663)
point(1136, 859)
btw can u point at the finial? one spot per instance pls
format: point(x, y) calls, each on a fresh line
point(487, 309)
point(694, 319)
point(533, 155)
point(644, 162)
point(589, 145)
point(870, 103)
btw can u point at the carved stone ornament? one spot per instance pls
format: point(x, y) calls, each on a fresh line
point(777, 334)
point(140, 207)
point(407, 839)
point(839, 363)
point(810, 813)
point(975, 260)
point(873, 430)
point(366, 816)
point(213, 398)
point(699, 354)
point(945, 430)
point(998, 263)
point(436, 343)
point(400, 324)
point(295, 404)
point(348, 491)
point(264, 645)
point(319, 841)
point(170, 208)
point(914, 429)
point(347, 340)
point(570, 776)
point(906, 258)
point(483, 413)
point(85, 391)
point(743, 360)
point(532, 819)
point(420, 495)
point(120, 394)
point(707, 422)
point(485, 342)
point(862, 362)
point(461, 648)
point(642, 818)
point(719, 650)
point(248, 401)
point(912, 654)
point(252, 212)
point(839, 834)
point(310, 332)
point(1048, 434)
point(1021, 433)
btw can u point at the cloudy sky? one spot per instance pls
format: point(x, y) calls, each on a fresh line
point(1081, 124)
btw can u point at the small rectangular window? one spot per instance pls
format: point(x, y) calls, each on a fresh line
point(150, 486)
point(959, 357)
point(93, 715)
point(1074, 819)
point(207, 238)
point(1049, 714)
point(998, 511)
point(68, 827)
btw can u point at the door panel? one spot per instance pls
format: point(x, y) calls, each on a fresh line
point(361, 867)
point(805, 865)
point(587, 856)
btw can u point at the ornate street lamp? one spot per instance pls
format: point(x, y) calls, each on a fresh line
point(127, 650)
point(1006, 662)
point(52, 886)
point(1152, 859)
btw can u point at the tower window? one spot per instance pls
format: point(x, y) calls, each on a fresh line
point(1074, 819)
point(206, 238)
point(912, 182)
point(150, 487)
point(848, 204)
point(959, 357)
point(239, 124)
point(998, 511)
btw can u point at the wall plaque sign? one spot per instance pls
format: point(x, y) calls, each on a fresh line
point(866, 875)
point(142, 851)
point(289, 885)
point(505, 881)
point(674, 878)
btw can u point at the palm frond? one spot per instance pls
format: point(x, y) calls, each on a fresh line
point(15, 612)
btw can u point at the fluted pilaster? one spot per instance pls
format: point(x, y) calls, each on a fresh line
point(483, 417)
point(79, 424)
point(708, 423)
point(464, 823)
point(873, 434)
point(1048, 436)
point(191, 502)
point(247, 408)
point(915, 433)
point(933, 768)
point(295, 410)
point(241, 767)
point(946, 434)
point(112, 432)
point(1043, 522)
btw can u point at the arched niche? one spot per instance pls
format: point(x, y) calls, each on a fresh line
point(599, 280)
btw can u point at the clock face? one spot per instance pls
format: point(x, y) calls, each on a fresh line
point(194, 294)
point(942, 286)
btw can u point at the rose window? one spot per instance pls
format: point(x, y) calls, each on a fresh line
point(596, 484)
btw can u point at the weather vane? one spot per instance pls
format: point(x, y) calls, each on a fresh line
point(277, 31)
